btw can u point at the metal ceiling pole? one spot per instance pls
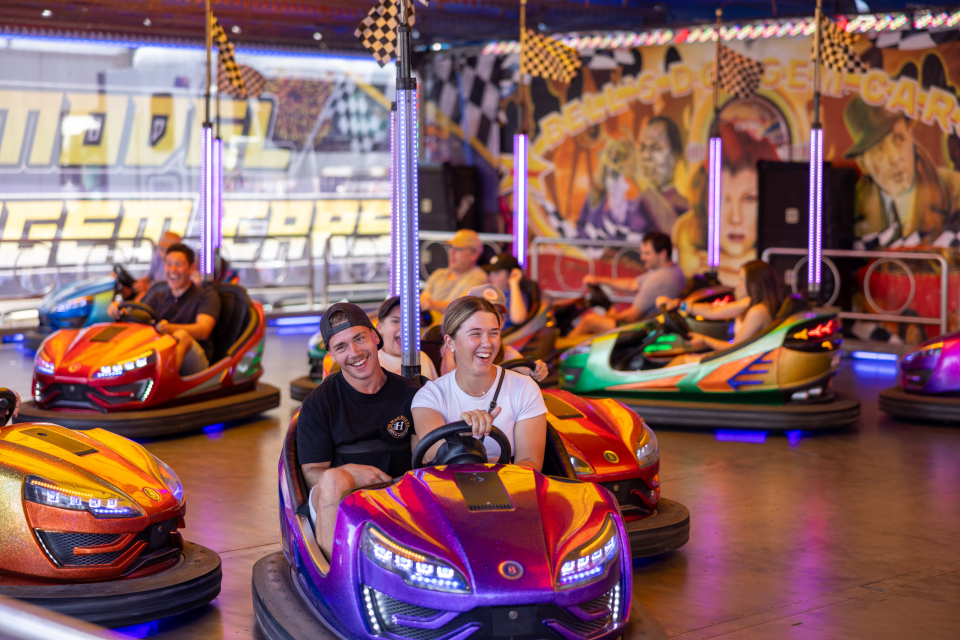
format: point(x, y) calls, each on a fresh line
point(520, 158)
point(207, 190)
point(714, 165)
point(408, 204)
point(815, 229)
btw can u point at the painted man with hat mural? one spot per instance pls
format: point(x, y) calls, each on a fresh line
point(903, 198)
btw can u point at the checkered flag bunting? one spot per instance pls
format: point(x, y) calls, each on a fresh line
point(837, 49)
point(378, 31)
point(227, 61)
point(253, 82)
point(476, 107)
point(739, 75)
point(547, 58)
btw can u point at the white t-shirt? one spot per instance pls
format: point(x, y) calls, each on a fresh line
point(520, 398)
point(392, 363)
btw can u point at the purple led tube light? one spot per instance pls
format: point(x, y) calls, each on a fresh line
point(217, 192)
point(409, 237)
point(815, 231)
point(206, 200)
point(520, 199)
point(715, 159)
point(394, 209)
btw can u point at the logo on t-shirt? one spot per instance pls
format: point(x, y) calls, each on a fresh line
point(399, 427)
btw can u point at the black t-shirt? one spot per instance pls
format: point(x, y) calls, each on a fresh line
point(336, 416)
point(185, 309)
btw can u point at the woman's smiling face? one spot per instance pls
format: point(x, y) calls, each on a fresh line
point(476, 343)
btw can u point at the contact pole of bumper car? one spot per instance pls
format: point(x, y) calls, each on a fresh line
point(207, 170)
point(815, 229)
point(714, 165)
point(394, 206)
point(408, 204)
point(520, 147)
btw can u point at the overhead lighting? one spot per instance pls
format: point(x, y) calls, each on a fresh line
point(46, 13)
point(147, 22)
point(235, 29)
point(436, 46)
point(317, 35)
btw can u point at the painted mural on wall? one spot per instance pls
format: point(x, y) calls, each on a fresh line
point(622, 149)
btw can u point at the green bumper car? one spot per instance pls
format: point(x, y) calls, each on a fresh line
point(780, 380)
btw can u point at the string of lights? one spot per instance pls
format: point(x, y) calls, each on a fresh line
point(761, 29)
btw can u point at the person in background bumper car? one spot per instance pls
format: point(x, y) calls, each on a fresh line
point(505, 274)
point(449, 283)
point(661, 278)
point(355, 428)
point(388, 324)
point(187, 312)
point(157, 264)
point(757, 300)
point(479, 392)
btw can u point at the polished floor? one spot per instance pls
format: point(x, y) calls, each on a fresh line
point(846, 535)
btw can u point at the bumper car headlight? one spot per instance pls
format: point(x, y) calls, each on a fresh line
point(44, 365)
point(648, 450)
point(99, 502)
point(416, 569)
point(590, 562)
point(122, 367)
point(75, 307)
point(932, 351)
point(581, 467)
point(170, 479)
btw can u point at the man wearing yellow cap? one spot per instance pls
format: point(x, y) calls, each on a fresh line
point(462, 273)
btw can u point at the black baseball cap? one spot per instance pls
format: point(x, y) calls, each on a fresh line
point(502, 261)
point(355, 318)
point(387, 307)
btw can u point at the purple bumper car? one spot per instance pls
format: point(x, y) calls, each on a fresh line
point(459, 550)
point(929, 388)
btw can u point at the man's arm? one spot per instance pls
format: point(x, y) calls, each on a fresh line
point(624, 284)
point(313, 471)
point(518, 307)
point(199, 330)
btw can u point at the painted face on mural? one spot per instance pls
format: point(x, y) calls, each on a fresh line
point(891, 162)
point(738, 212)
point(657, 160)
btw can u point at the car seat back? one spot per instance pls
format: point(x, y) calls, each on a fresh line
point(791, 304)
point(556, 460)
point(293, 475)
point(237, 322)
point(431, 341)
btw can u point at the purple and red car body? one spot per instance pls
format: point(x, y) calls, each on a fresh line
point(929, 380)
point(453, 552)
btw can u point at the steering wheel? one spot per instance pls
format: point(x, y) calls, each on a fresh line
point(676, 323)
point(137, 312)
point(597, 297)
point(8, 402)
point(124, 278)
point(518, 363)
point(459, 449)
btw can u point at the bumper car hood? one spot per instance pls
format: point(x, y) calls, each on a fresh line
point(79, 353)
point(480, 516)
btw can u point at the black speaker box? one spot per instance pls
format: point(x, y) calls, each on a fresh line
point(436, 198)
point(783, 220)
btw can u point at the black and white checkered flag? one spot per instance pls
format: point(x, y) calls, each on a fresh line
point(547, 58)
point(476, 108)
point(837, 50)
point(378, 31)
point(357, 117)
point(739, 75)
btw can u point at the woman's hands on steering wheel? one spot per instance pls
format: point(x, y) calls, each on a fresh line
point(480, 421)
point(537, 369)
point(666, 303)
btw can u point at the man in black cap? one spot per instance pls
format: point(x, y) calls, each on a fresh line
point(903, 198)
point(355, 428)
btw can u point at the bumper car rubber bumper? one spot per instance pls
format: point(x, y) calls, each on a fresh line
point(666, 530)
point(192, 583)
point(162, 421)
point(915, 406)
point(301, 387)
point(685, 414)
point(283, 614)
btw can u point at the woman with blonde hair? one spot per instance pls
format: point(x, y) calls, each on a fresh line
point(479, 392)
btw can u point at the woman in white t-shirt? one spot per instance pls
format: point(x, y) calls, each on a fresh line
point(388, 324)
point(471, 331)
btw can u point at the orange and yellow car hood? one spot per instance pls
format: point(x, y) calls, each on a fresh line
point(80, 353)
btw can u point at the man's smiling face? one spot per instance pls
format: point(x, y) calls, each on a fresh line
point(355, 351)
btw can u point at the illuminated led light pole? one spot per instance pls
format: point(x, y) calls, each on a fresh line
point(207, 170)
point(815, 229)
point(520, 142)
point(394, 207)
point(714, 165)
point(408, 204)
point(520, 147)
